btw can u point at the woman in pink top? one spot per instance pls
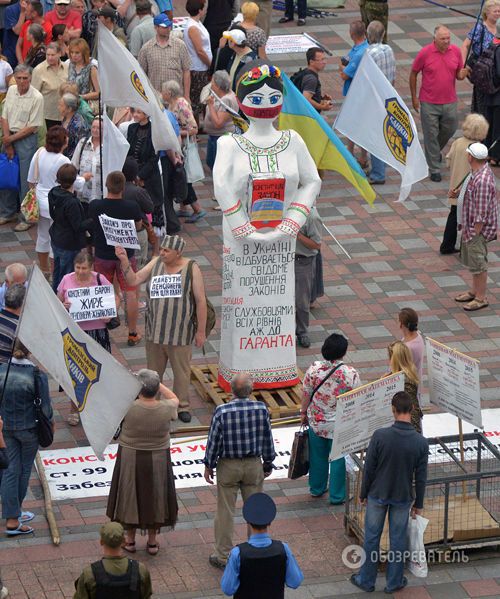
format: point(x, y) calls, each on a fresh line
point(84, 276)
point(408, 323)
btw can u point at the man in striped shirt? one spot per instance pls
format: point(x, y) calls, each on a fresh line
point(240, 445)
point(9, 317)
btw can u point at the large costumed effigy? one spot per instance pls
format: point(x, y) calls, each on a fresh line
point(266, 183)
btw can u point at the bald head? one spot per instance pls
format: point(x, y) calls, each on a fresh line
point(16, 273)
point(242, 385)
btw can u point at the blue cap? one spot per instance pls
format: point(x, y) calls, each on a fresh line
point(162, 20)
point(259, 509)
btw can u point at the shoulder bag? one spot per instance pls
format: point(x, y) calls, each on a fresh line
point(29, 206)
point(43, 424)
point(211, 315)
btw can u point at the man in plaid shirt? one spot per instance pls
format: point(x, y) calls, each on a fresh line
point(479, 220)
point(240, 435)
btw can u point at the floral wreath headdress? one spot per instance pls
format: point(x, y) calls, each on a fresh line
point(257, 74)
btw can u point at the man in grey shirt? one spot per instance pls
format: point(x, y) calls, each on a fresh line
point(144, 29)
point(308, 246)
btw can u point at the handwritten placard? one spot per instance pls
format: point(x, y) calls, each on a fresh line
point(119, 232)
point(166, 286)
point(91, 303)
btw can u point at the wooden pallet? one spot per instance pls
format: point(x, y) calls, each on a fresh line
point(281, 402)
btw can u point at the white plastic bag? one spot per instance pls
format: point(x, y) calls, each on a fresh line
point(192, 162)
point(417, 563)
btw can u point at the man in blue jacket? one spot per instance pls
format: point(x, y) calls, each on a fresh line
point(396, 461)
point(261, 567)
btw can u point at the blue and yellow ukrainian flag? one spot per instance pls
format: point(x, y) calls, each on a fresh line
point(328, 152)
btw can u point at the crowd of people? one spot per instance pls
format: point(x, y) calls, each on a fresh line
point(52, 123)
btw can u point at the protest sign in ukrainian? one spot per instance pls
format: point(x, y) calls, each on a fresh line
point(99, 386)
point(91, 303)
point(165, 286)
point(454, 382)
point(362, 411)
point(289, 44)
point(119, 232)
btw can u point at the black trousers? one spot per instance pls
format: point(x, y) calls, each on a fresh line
point(450, 232)
point(493, 139)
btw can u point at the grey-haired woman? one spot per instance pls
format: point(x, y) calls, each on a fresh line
point(76, 126)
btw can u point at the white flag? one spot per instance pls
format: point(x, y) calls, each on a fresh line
point(115, 147)
point(124, 83)
point(98, 385)
point(375, 117)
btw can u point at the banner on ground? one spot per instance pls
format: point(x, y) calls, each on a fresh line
point(454, 382)
point(289, 44)
point(375, 117)
point(119, 232)
point(124, 83)
point(362, 411)
point(91, 303)
point(100, 387)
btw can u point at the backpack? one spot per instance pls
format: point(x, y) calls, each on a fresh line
point(297, 77)
point(483, 74)
point(125, 586)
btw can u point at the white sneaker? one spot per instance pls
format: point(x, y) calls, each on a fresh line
point(4, 593)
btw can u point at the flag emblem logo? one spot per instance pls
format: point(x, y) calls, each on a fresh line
point(398, 133)
point(139, 88)
point(82, 368)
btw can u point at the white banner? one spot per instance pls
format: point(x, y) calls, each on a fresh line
point(288, 44)
point(100, 387)
point(91, 303)
point(375, 117)
point(454, 382)
point(115, 147)
point(362, 411)
point(165, 286)
point(74, 473)
point(119, 232)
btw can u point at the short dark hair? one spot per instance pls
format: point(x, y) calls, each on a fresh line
point(37, 7)
point(58, 30)
point(130, 168)
point(409, 318)
point(55, 139)
point(66, 175)
point(115, 182)
point(357, 29)
point(193, 7)
point(402, 402)
point(311, 53)
point(334, 347)
point(143, 7)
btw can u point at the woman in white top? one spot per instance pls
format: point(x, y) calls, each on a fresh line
point(197, 40)
point(86, 158)
point(42, 176)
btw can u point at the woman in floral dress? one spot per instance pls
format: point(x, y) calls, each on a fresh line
point(323, 382)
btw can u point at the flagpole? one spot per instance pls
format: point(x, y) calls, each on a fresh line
point(15, 337)
point(101, 114)
point(337, 241)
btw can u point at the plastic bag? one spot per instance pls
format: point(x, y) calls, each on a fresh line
point(30, 208)
point(192, 162)
point(9, 172)
point(417, 564)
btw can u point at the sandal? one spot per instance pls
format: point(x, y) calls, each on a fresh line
point(476, 305)
point(467, 296)
point(22, 529)
point(26, 517)
point(129, 546)
point(152, 549)
point(74, 419)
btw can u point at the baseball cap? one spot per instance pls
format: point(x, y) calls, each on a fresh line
point(162, 20)
point(478, 151)
point(259, 509)
point(237, 36)
point(112, 534)
point(106, 11)
point(62, 1)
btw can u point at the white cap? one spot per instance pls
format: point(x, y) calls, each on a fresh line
point(478, 151)
point(237, 36)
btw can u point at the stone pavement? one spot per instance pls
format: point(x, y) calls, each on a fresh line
point(395, 263)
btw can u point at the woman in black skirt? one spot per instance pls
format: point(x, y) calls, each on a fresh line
point(84, 276)
point(142, 493)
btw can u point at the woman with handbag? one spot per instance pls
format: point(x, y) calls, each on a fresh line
point(323, 382)
point(142, 493)
point(26, 392)
point(181, 109)
point(84, 73)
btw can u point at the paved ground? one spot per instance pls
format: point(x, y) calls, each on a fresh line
point(395, 263)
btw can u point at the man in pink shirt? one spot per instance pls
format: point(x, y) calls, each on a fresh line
point(62, 13)
point(441, 65)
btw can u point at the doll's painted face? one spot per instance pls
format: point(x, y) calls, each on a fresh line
point(263, 103)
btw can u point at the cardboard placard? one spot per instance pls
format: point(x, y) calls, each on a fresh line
point(91, 303)
point(119, 232)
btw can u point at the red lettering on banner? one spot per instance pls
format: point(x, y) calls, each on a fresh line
point(203, 447)
point(112, 456)
point(192, 448)
point(63, 461)
point(175, 450)
point(92, 458)
point(266, 342)
point(47, 462)
point(77, 459)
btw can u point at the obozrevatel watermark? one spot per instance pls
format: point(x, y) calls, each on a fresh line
point(354, 556)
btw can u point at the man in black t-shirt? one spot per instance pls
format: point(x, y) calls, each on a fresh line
point(106, 262)
point(310, 85)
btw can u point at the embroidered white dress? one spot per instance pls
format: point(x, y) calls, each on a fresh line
point(258, 298)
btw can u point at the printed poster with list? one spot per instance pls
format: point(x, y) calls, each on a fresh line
point(454, 382)
point(362, 411)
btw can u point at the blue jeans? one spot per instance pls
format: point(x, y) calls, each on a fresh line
point(25, 149)
point(211, 150)
point(63, 264)
point(377, 172)
point(319, 451)
point(21, 448)
point(9, 202)
point(374, 525)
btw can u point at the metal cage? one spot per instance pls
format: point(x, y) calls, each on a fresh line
point(462, 498)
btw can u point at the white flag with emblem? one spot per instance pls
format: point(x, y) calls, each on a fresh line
point(100, 387)
point(375, 117)
point(124, 83)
